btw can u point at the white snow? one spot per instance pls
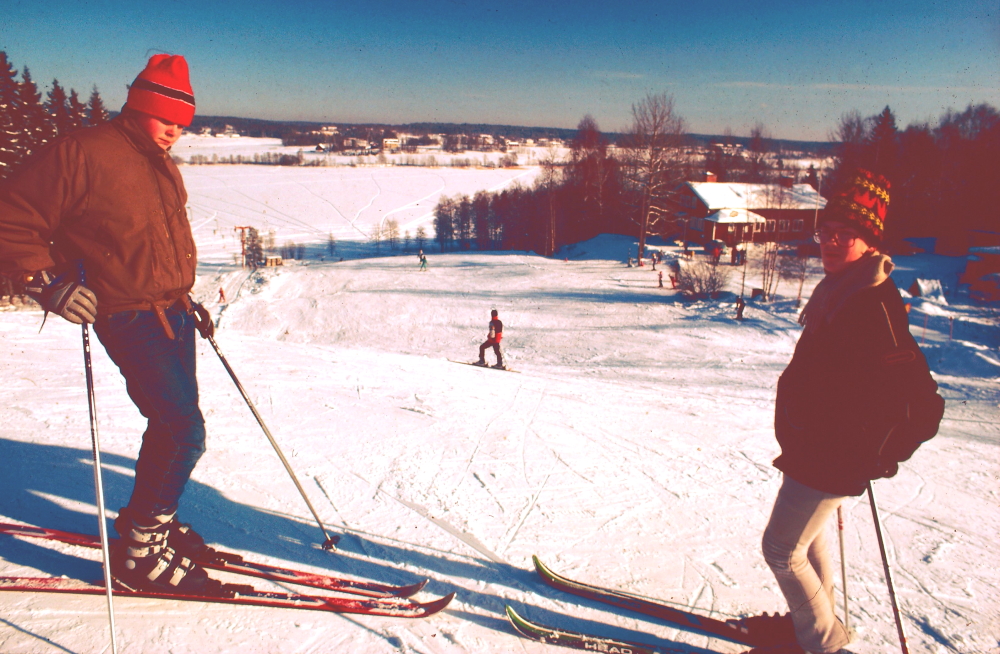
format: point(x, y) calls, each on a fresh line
point(735, 216)
point(308, 205)
point(733, 195)
point(633, 449)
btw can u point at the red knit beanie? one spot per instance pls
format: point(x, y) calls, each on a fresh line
point(862, 203)
point(163, 90)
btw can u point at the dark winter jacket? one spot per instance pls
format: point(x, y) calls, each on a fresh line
point(110, 196)
point(857, 397)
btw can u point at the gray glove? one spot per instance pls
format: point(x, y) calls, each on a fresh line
point(62, 295)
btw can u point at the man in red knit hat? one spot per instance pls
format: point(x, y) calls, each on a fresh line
point(856, 400)
point(109, 199)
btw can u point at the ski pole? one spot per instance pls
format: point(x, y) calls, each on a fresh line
point(843, 565)
point(888, 574)
point(98, 480)
point(331, 542)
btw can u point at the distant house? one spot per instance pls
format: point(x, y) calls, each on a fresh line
point(982, 273)
point(737, 212)
point(390, 145)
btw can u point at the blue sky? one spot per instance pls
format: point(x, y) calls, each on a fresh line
point(794, 66)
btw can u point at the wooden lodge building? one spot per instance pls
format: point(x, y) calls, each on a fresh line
point(737, 213)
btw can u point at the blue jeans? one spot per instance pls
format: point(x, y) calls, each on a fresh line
point(160, 378)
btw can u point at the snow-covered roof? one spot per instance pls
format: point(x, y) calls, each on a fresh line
point(735, 216)
point(732, 195)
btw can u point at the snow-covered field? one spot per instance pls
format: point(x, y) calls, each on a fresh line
point(633, 448)
point(307, 205)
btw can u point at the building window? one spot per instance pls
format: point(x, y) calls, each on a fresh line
point(799, 225)
point(770, 226)
point(782, 225)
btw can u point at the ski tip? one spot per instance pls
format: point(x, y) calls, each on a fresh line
point(542, 569)
point(434, 606)
point(412, 589)
point(520, 625)
point(512, 615)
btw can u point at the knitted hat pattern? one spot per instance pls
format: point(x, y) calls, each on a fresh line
point(163, 89)
point(861, 203)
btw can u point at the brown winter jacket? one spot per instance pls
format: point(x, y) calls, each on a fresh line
point(856, 396)
point(110, 196)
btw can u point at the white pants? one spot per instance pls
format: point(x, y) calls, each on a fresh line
point(795, 548)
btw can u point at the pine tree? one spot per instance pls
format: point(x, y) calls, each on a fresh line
point(883, 142)
point(11, 129)
point(57, 108)
point(36, 124)
point(96, 113)
point(77, 112)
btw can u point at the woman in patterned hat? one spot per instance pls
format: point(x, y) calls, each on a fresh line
point(856, 399)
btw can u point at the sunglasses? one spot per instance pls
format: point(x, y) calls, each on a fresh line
point(842, 237)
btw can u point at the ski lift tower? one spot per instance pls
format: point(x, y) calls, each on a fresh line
point(243, 243)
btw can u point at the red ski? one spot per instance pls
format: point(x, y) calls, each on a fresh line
point(230, 562)
point(393, 607)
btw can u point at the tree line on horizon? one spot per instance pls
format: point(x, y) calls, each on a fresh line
point(27, 122)
point(940, 176)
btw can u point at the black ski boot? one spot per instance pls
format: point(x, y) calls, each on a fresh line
point(143, 561)
point(481, 362)
point(767, 629)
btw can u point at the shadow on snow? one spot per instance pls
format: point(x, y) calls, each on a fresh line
point(53, 486)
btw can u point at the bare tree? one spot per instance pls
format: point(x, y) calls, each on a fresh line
point(549, 181)
point(589, 169)
point(768, 266)
point(444, 222)
point(758, 153)
point(654, 163)
point(702, 279)
point(795, 265)
point(392, 232)
point(853, 133)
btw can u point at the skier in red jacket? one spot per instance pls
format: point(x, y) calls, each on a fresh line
point(493, 339)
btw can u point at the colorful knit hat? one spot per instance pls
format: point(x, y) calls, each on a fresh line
point(163, 90)
point(861, 203)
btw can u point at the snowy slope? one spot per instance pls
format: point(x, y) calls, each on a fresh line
point(633, 449)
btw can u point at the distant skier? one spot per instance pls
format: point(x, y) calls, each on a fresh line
point(740, 305)
point(493, 339)
point(222, 296)
point(659, 276)
point(111, 197)
point(856, 399)
point(423, 261)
